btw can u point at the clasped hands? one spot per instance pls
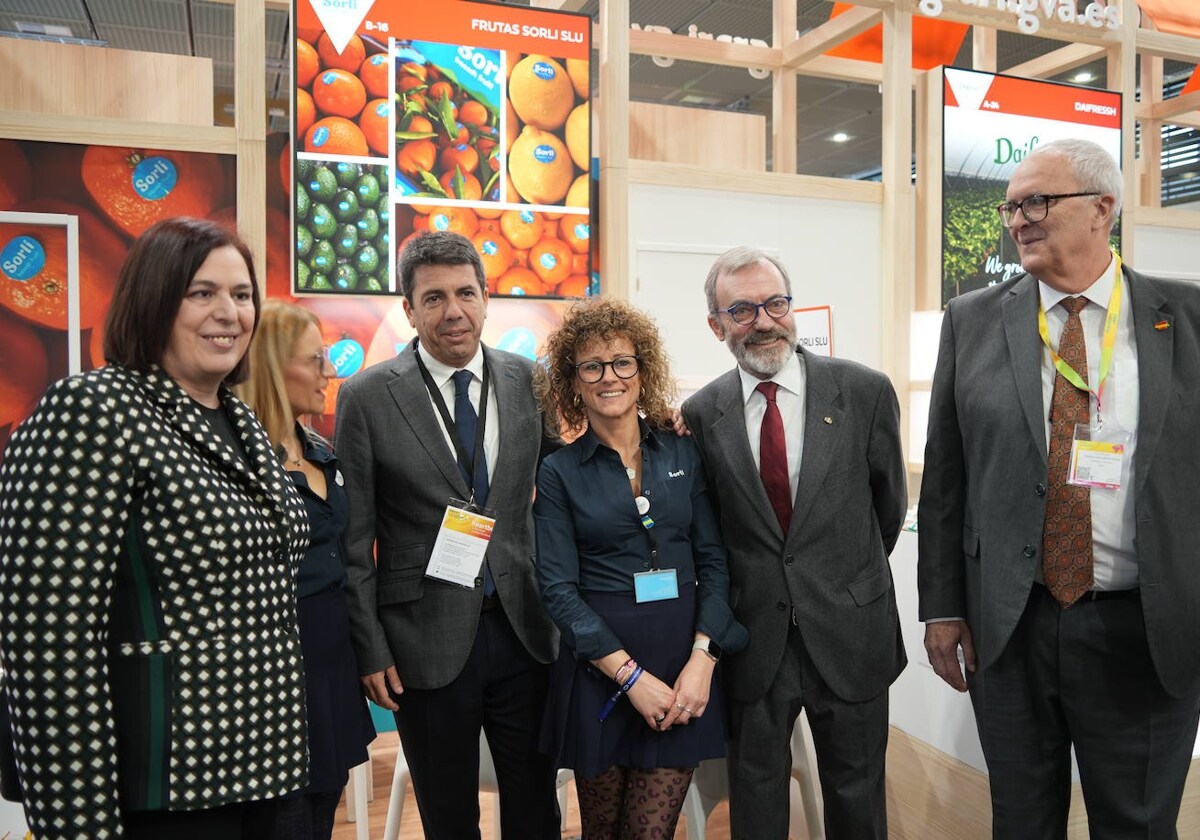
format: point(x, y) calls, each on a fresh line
point(663, 706)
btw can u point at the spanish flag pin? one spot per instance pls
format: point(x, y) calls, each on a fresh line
point(1162, 325)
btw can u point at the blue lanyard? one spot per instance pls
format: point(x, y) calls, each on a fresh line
point(612, 701)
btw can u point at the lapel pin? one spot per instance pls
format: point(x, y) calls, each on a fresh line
point(1162, 325)
point(828, 420)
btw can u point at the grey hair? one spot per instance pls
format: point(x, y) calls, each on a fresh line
point(1094, 168)
point(734, 260)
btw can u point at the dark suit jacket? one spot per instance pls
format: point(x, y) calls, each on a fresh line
point(400, 473)
point(983, 493)
point(833, 563)
point(147, 606)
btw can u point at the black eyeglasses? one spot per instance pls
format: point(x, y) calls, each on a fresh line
point(1034, 208)
point(747, 313)
point(623, 367)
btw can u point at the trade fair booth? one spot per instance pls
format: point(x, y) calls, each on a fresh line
point(586, 190)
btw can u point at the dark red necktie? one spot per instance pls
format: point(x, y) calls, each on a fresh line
point(772, 457)
point(1067, 565)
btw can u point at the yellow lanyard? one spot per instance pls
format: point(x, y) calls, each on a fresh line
point(1106, 347)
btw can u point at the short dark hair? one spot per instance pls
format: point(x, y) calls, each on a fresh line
point(440, 247)
point(153, 282)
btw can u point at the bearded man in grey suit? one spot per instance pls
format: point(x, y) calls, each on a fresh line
point(449, 419)
point(803, 456)
point(1058, 516)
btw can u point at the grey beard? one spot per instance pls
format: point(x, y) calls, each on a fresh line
point(761, 364)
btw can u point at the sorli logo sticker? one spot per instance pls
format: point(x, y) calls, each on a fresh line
point(346, 356)
point(519, 340)
point(154, 178)
point(548, 261)
point(544, 154)
point(22, 258)
point(543, 70)
point(320, 136)
point(582, 230)
point(489, 248)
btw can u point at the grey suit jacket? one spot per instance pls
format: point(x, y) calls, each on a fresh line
point(400, 473)
point(983, 494)
point(832, 565)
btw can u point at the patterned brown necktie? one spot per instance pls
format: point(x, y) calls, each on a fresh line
point(1067, 537)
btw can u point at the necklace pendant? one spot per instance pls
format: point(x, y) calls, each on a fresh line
point(630, 473)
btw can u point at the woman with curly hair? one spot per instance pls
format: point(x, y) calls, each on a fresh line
point(633, 572)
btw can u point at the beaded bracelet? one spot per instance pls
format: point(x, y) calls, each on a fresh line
point(620, 675)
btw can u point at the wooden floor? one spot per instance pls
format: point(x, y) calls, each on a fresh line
point(930, 797)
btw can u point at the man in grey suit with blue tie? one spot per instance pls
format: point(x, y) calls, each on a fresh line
point(803, 459)
point(1058, 516)
point(450, 646)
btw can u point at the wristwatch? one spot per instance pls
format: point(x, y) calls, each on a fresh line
point(711, 649)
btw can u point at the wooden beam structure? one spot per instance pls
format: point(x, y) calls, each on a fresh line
point(1059, 61)
point(703, 50)
point(1165, 109)
point(250, 123)
point(898, 228)
point(983, 49)
point(783, 93)
point(830, 34)
point(616, 260)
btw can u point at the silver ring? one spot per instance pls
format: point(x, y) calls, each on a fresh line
point(682, 707)
point(689, 711)
point(659, 718)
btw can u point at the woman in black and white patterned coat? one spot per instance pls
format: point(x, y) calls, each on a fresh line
point(149, 540)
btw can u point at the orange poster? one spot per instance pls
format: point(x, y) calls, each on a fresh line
point(414, 115)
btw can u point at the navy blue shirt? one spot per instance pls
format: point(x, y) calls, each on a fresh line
point(322, 567)
point(590, 537)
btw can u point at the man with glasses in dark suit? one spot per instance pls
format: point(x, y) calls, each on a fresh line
point(1057, 523)
point(804, 463)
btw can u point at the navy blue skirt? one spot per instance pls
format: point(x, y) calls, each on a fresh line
point(339, 724)
point(659, 636)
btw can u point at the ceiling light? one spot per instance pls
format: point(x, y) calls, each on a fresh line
point(1083, 77)
point(840, 137)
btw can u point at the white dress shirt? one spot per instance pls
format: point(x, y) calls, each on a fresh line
point(1114, 558)
point(441, 374)
point(790, 399)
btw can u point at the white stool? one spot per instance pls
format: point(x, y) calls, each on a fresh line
point(487, 781)
point(710, 785)
point(358, 792)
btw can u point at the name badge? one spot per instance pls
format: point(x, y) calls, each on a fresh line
point(461, 543)
point(658, 585)
point(1098, 456)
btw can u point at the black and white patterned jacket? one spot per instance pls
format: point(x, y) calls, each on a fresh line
point(147, 606)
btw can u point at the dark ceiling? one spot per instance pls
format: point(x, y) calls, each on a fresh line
point(826, 107)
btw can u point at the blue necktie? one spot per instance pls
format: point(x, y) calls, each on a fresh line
point(466, 422)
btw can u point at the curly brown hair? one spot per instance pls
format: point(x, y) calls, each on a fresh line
point(604, 319)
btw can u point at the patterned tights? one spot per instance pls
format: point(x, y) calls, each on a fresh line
point(628, 804)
